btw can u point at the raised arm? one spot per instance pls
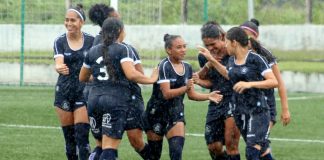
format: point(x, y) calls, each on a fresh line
point(212, 62)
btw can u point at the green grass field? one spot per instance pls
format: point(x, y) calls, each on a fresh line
point(22, 110)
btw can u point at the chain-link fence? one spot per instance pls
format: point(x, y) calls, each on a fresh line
point(169, 11)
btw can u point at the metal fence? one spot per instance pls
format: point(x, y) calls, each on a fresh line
point(170, 11)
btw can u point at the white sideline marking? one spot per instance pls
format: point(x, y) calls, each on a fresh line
point(301, 98)
point(28, 126)
point(273, 139)
point(187, 134)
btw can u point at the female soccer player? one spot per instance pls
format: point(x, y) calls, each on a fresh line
point(250, 75)
point(251, 28)
point(69, 50)
point(112, 66)
point(98, 13)
point(220, 125)
point(165, 109)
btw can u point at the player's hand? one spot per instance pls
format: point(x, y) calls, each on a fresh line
point(155, 74)
point(215, 96)
point(205, 52)
point(285, 118)
point(62, 69)
point(195, 78)
point(190, 84)
point(241, 86)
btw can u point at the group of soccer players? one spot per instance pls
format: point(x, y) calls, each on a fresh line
point(240, 73)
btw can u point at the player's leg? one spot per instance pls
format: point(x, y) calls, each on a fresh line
point(155, 143)
point(134, 129)
point(67, 124)
point(257, 133)
point(232, 138)
point(82, 126)
point(95, 118)
point(214, 136)
point(154, 125)
point(175, 136)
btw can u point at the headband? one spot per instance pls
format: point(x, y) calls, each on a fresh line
point(250, 29)
point(76, 11)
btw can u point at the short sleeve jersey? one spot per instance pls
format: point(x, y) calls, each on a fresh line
point(253, 69)
point(167, 74)
point(134, 86)
point(103, 82)
point(136, 89)
point(73, 59)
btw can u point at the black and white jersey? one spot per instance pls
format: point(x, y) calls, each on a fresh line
point(116, 82)
point(136, 89)
point(134, 86)
point(73, 59)
point(253, 69)
point(167, 74)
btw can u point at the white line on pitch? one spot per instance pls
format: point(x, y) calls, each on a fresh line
point(188, 134)
point(273, 139)
point(301, 98)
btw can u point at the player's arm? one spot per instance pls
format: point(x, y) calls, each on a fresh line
point(196, 96)
point(212, 62)
point(85, 74)
point(60, 66)
point(139, 68)
point(269, 82)
point(169, 93)
point(133, 74)
point(285, 115)
point(206, 83)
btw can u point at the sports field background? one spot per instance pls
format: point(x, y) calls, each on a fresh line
point(29, 128)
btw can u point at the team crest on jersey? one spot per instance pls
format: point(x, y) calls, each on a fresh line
point(67, 54)
point(106, 120)
point(244, 70)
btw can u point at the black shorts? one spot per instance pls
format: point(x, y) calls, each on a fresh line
point(214, 130)
point(160, 119)
point(116, 121)
point(86, 91)
point(254, 127)
point(113, 121)
point(67, 103)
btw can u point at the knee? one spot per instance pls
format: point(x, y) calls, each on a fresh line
point(216, 148)
point(136, 143)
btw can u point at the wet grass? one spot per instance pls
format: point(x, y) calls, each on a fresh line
point(33, 106)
